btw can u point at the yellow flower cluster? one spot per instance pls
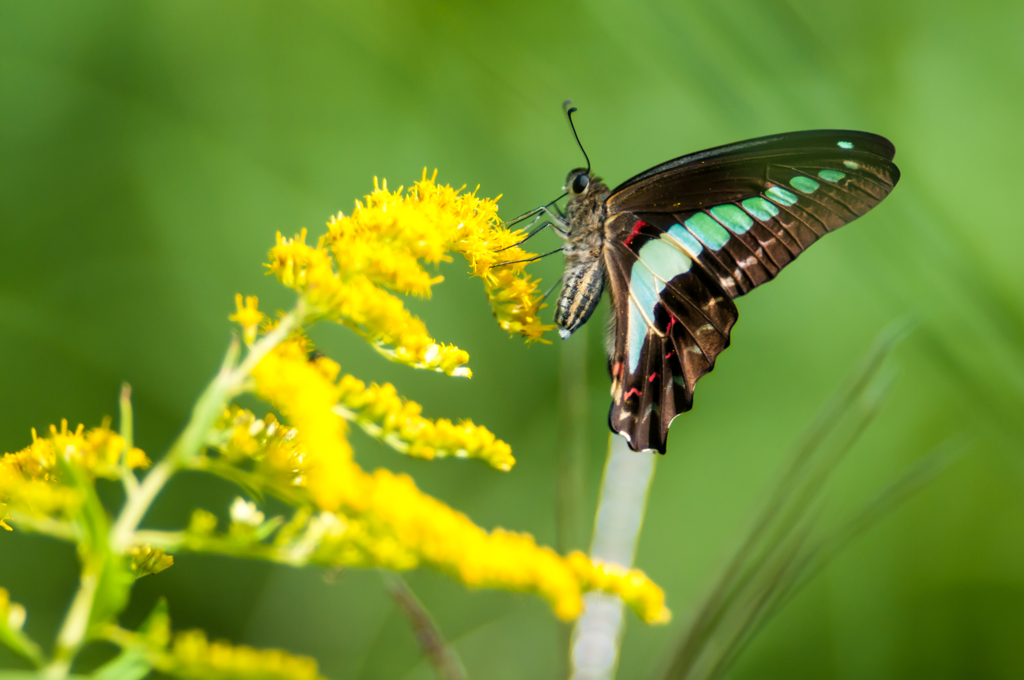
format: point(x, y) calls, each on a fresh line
point(273, 446)
point(146, 560)
point(305, 393)
point(383, 519)
point(381, 412)
point(639, 592)
point(30, 480)
point(383, 247)
point(193, 656)
point(358, 303)
point(387, 235)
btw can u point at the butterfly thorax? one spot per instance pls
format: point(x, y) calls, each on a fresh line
point(584, 276)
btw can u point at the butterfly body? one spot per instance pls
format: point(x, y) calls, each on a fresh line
point(676, 244)
point(585, 271)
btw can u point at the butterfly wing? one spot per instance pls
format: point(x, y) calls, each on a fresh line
point(686, 237)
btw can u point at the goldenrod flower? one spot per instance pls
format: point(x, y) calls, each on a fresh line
point(384, 245)
point(632, 585)
point(146, 560)
point(358, 303)
point(247, 316)
point(305, 395)
point(193, 656)
point(274, 447)
point(383, 519)
point(387, 235)
point(30, 480)
point(380, 411)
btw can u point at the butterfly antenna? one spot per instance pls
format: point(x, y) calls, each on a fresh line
point(569, 110)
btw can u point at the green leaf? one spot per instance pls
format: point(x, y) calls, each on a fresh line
point(130, 664)
point(116, 579)
point(34, 675)
point(156, 629)
point(779, 551)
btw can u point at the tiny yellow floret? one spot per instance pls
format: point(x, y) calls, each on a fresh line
point(247, 316)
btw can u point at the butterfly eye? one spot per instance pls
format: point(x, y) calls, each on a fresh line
point(579, 185)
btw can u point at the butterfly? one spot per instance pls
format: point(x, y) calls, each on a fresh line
point(677, 244)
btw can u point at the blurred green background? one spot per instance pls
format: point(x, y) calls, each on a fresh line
point(149, 152)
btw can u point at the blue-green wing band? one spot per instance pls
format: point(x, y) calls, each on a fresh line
point(739, 215)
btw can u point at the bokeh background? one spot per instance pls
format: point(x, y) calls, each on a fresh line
point(149, 152)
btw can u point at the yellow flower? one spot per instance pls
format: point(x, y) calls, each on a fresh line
point(383, 519)
point(358, 303)
point(389, 233)
point(274, 447)
point(632, 585)
point(146, 560)
point(305, 395)
point(193, 656)
point(383, 246)
point(30, 479)
point(380, 411)
point(247, 316)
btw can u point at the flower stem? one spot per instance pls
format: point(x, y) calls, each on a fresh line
point(620, 514)
point(443, 658)
point(76, 623)
point(571, 498)
point(229, 381)
point(572, 449)
point(128, 479)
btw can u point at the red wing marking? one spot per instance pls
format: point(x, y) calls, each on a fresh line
point(640, 224)
point(631, 393)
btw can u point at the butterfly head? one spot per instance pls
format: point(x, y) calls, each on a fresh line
point(578, 182)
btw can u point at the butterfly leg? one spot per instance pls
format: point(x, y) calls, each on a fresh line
point(529, 259)
point(552, 288)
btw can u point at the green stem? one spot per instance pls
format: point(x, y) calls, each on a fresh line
point(128, 479)
point(620, 515)
point(572, 450)
point(72, 632)
point(570, 503)
point(229, 381)
point(442, 657)
point(44, 525)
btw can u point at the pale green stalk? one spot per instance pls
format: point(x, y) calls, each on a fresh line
point(620, 514)
point(230, 380)
point(570, 501)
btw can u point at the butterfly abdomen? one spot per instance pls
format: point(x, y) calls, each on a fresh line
point(581, 292)
point(583, 281)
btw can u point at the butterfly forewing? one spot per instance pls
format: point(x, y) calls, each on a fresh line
point(686, 237)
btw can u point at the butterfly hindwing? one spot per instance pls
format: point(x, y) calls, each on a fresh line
point(672, 322)
point(686, 237)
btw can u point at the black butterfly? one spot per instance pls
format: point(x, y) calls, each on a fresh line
point(677, 243)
